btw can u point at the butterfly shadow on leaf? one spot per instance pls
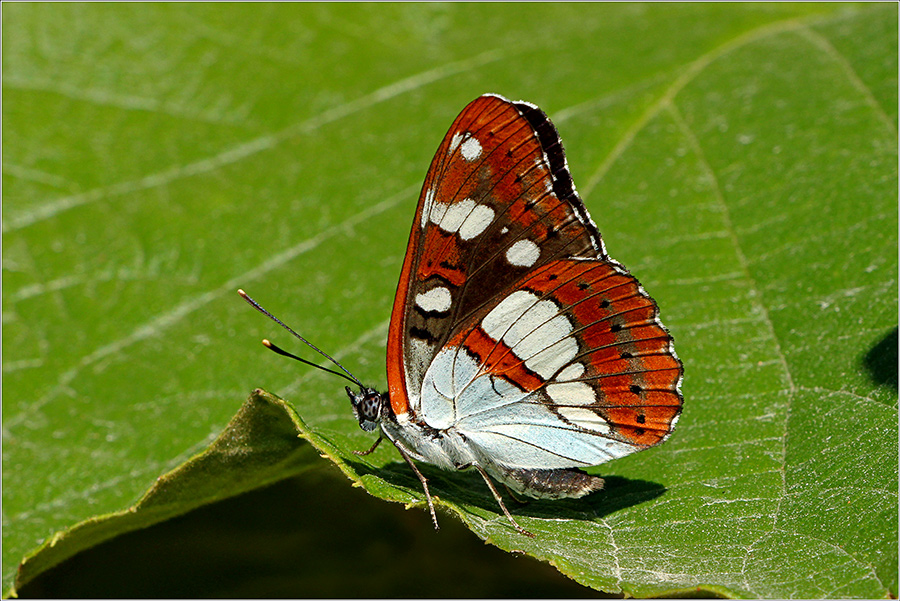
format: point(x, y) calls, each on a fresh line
point(467, 490)
point(881, 361)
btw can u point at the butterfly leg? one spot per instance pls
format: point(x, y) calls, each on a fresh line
point(371, 449)
point(514, 497)
point(422, 479)
point(500, 502)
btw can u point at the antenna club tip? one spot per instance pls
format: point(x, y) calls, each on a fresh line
point(241, 292)
point(266, 343)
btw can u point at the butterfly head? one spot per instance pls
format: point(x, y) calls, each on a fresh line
point(369, 406)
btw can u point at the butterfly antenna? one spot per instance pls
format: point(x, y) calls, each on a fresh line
point(281, 351)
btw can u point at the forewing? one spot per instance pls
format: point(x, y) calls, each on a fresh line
point(498, 203)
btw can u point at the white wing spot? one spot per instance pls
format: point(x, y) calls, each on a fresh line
point(437, 299)
point(470, 149)
point(571, 393)
point(506, 312)
point(533, 330)
point(573, 371)
point(523, 253)
point(477, 221)
point(465, 217)
point(427, 207)
point(586, 419)
point(505, 321)
point(553, 353)
point(453, 215)
point(454, 142)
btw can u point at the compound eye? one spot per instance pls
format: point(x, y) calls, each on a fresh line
point(371, 407)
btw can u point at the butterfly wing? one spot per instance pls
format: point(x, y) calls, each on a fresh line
point(492, 190)
point(572, 368)
point(510, 320)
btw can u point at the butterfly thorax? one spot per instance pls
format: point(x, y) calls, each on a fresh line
point(445, 448)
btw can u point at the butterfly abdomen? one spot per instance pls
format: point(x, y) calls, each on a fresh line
point(549, 484)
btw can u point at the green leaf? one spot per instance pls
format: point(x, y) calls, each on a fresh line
point(258, 447)
point(277, 539)
point(741, 160)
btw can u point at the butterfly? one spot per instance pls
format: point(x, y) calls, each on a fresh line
point(517, 347)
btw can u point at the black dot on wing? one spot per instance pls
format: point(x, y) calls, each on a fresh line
point(552, 277)
point(604, 303)
point(640, 419)
point(615, 327)
point(635, 388)
point(626, 355)
point(583, 286)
